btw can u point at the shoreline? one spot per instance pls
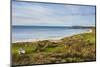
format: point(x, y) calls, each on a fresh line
point(36, 40)
point(50, 39)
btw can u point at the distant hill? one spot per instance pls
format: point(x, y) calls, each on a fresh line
point(82, 27)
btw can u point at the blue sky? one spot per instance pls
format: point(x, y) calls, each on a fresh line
point(44, 14)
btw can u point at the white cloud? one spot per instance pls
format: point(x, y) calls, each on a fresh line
point(37, 14)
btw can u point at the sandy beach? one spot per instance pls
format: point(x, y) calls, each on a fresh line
point(50, 39)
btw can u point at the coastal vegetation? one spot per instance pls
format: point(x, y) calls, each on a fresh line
point(76, 48)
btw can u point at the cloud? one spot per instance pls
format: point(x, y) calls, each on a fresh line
point(26, 13)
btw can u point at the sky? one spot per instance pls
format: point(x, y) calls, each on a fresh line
point(50, 14)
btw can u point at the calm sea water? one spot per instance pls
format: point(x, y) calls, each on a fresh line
point(25, 33)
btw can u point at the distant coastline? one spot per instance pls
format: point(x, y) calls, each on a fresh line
point(69, 27)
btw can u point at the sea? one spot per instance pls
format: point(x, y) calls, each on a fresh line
point(35, 33)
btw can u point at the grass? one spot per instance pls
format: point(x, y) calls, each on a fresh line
point(77, 48)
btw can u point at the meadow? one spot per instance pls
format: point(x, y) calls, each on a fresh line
point(76, 48)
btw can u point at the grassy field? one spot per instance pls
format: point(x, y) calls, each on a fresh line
point(76, 48)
